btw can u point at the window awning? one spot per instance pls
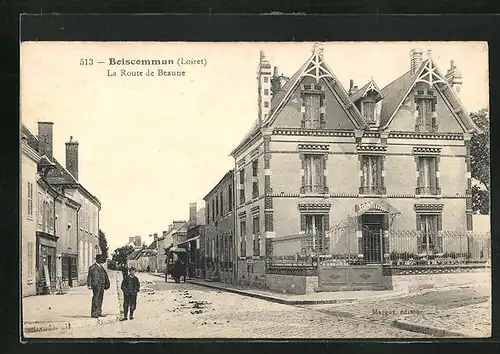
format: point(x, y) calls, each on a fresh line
point(189, 240)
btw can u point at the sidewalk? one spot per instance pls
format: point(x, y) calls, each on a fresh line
point(307, 299)
point(71, 310)
point(474, 322)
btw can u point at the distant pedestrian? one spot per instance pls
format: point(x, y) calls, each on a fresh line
point(98, 281)
point(148, 269)
point(130, 287)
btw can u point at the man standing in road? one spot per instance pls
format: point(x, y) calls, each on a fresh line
point(98, 281)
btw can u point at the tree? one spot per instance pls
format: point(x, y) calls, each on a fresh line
point(480, 163)
point(103, 244)
point(120, 255)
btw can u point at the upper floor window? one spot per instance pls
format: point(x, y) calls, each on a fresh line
point(242, 186)
point(230, 198)
point(221, 204)
point(255, 182)
point(213, 209)
point(266, 104)
point(314, 181)
point(427, 176)
point(266, 79)
point(30, 199)
point(208, 213)
point(426, 107)
point(371, 175)
point(40, 209)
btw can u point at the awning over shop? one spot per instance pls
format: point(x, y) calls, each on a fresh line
point(189, 240)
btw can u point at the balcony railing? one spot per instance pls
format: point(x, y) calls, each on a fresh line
point(314, 188)
point(372, 190)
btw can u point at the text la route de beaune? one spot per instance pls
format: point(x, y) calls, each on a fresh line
point(152, 62)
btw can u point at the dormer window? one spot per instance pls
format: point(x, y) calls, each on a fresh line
point(368, 110)
point(313, 103)
point(368, 101)
point(425, 111)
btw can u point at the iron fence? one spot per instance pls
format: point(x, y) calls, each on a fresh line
point(393, 247)
point(438, 248)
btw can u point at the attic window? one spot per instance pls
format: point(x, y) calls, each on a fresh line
point(425, 112)
point(313, 111)
point(368, 110)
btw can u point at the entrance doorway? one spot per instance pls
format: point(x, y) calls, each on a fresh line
point(373, 225)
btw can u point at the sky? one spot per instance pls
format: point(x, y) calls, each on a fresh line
point(150, 145)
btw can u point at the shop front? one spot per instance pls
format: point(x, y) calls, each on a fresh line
point(46, 262)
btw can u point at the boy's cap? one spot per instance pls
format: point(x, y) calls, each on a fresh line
point(131, 268)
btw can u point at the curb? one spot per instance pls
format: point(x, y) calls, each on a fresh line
point(291, 301)
point(68, 325)
point(35, 328)
point(424, 329)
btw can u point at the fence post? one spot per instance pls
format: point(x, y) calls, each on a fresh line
point(427, 247)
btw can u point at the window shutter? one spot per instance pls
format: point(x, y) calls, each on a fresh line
point(419, 114)
point(302, 222)
point(379, 171)
point(361, 174)
point(433, 178)
point(303, 162)
point(325, 188)
point(418, 161)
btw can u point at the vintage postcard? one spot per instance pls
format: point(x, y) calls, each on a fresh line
point(255, 190)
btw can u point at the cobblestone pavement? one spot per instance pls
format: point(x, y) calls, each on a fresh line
point(454, 309)
point(170, 310)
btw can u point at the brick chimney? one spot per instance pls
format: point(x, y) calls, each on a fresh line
point(352, 88)
point(264, 87)
point(415, 60)
point(45, 139)
point(72, 157)
point(454, 77)
point(192, 214)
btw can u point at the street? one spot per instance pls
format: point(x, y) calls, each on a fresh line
point(170, 310)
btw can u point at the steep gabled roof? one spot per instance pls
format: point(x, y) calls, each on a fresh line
point(31, 139)
point(394, 94)
point(317, 68)
point(397, 91)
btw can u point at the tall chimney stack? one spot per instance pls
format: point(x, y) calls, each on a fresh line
point(415, 60)
point(192, 214)
point(454, 77)
point(72, 157)
point(351, 87)
point(45, 139)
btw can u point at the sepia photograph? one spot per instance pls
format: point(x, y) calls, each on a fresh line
point(255, 190)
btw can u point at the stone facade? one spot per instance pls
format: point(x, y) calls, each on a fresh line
point(29, 210)
point(322, 154)
point(219, 231)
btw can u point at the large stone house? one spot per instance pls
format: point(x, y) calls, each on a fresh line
point(319, 154)
point(68, 214)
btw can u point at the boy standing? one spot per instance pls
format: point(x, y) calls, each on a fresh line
point(130, 287)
